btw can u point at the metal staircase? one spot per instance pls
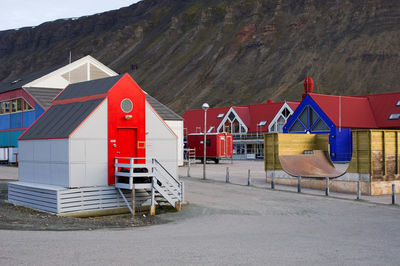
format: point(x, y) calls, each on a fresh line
point(150, 175)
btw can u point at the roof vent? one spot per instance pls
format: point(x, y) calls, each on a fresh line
point(308, 85)
point(126, 105)
point(398, 103)
point(270, 101)
point(16, 81)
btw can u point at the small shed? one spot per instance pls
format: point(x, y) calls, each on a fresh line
point(75, 143)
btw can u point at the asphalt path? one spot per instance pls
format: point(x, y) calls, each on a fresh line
point(227, 224)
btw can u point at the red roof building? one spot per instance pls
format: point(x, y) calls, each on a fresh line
point(339, 115)
point(245, 122)
point(244, 119)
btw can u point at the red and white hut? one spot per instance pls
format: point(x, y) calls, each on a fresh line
point(67, 157)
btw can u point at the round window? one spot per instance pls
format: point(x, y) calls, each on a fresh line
point(126, 105)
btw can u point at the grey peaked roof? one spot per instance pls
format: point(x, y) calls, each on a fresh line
point(61, 120)
point(162, 110)
point(18, 81)
point(43, 96)
point(88, 88)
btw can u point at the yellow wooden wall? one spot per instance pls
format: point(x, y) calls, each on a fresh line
point(376, 152)
point(276, 144)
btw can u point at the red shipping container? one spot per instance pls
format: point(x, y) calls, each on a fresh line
point(218, 145)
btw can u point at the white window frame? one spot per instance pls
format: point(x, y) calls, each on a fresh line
point(237, 117)
point(272, 127)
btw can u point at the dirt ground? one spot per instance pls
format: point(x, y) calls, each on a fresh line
point(22, 218)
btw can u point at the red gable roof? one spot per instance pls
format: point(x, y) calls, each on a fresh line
point(346, 111)
point(251, 115)
point(383, 105)
point(363, 111)
point(193, 120)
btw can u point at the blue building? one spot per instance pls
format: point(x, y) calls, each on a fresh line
point(339, 115)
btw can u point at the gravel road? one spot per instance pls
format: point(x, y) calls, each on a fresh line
point(227, 224)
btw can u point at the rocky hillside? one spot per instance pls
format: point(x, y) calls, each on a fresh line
point(186, 52)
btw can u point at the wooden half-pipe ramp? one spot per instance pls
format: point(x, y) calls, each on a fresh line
point(309, 165)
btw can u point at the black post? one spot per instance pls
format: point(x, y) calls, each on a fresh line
point(299, 184)
point(326, 186)
point(393, 194)
point(272, 181)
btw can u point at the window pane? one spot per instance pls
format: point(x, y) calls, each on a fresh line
point(235, 127)
point(13, 106)
point(313, 116)
point(297, 127)
point(2, 108)
point(286, 112)
point(231, 116)
point(321, 126)
point(27, 106)
point(19, 104)
point(303, 117)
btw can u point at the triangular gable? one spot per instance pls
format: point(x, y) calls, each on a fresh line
point(43, 96)
point(83, 69)
point(308, 117)
point(233, 114)
point(280, 114)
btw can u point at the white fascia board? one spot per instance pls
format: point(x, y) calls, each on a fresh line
point(65, 69)
point(278, 114)
point(236, 116)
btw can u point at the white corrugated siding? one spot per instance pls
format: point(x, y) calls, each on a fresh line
point(161, 142)
point(177, 127)
point(44, 161)
point(88, 153)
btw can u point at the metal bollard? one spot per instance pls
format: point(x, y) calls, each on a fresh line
point(326, 186)
point(393, 194)
point(272, 182)
point(358, 189)
point(299, 184)
point(248, 177)
point(188, 170)
point(227, 175)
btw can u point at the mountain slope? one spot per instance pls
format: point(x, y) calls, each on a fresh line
point(226, 52)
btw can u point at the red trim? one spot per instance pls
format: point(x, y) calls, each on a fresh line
point(80, 99)
point(18, 93)
point(59, 93)
point(40, 139)
point(12, 129)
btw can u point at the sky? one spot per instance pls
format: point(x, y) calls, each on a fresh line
point(23, 13)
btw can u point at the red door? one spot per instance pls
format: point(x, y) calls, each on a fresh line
point(126, 142)
point(222, 148)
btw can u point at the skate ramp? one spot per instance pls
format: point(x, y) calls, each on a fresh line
point(309, 165)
